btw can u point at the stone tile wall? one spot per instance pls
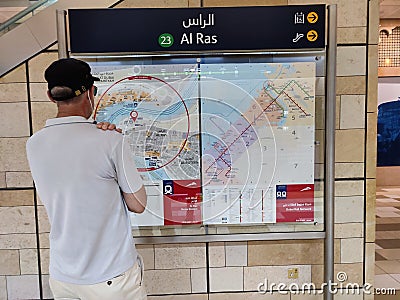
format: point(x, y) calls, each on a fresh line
point(228, 270)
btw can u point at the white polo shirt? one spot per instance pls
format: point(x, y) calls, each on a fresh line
point(79, 172)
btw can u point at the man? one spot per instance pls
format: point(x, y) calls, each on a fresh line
point(87, 182)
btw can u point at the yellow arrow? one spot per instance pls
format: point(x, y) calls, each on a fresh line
point(312, 17)
point(312, 35)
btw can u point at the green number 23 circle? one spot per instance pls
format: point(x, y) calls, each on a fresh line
point(165, 40)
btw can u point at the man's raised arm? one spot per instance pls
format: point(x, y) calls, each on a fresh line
point(137, 201)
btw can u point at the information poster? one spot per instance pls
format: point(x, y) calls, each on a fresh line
point(182, 202)
point(217, 143)
point(295, 203)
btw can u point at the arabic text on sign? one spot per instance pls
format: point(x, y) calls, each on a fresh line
point(200, 21)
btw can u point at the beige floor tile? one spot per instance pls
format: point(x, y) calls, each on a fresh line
point(396, 277)
point(380, 234)
point(391, 195)
point(392, 189)
point(387, 220)
point(387, 209)
point(388, 214)
point(379, 271)
point(386, 281)
point(387, 235)
point(389, 254)
point(389, 200)
point(386, 204)
point(387, 272)
point(380, 192)
point(389, 266)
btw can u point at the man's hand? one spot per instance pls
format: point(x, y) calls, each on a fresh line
point(108, 126)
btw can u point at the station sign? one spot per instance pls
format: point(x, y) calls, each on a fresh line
point(197, 29)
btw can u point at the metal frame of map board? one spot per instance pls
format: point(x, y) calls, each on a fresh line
point(177, 235)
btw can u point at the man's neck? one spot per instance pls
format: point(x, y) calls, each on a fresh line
point(62, 114)
point(73, 109)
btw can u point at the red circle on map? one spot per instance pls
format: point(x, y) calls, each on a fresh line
point(146, 77)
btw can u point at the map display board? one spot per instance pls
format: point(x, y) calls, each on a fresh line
point(217, 143)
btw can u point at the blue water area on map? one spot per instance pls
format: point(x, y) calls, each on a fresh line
point(116, 112)
point(158, 174)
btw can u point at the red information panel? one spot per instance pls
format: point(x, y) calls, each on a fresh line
point(182, 202)
point(295, 203)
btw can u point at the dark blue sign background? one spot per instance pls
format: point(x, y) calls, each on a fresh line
point(234, 29)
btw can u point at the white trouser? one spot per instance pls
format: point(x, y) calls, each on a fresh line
point(128, 285)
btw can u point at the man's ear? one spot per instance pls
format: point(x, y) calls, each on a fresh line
point(50, 97)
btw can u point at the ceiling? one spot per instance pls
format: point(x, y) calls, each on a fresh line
point(389, 9)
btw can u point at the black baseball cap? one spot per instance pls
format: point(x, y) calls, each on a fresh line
point(72, 73)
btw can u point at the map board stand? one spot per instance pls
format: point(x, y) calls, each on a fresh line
point(330, 149)
point(330, 54)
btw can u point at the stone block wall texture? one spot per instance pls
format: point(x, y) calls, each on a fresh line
point(220, 270)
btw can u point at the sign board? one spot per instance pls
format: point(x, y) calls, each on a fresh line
point(196, 29)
